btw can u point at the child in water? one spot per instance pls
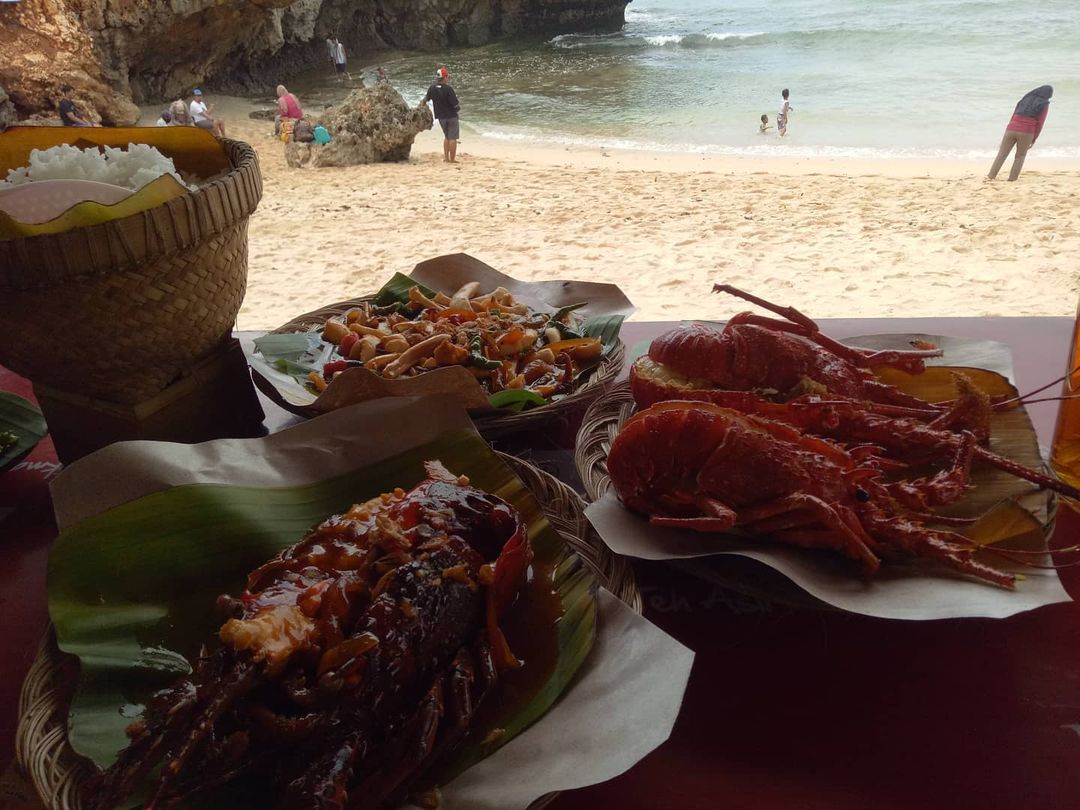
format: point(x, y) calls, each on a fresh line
point(765, 126)
point(781, 117)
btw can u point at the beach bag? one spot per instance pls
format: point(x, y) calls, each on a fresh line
point(287, 125)
point(321, 135)
point(303, 132)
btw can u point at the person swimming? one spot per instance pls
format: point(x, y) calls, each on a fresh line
point(765, 125)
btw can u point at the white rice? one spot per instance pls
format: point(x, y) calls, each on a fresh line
point(132, 168)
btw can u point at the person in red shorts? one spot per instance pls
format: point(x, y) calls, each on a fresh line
point(1023, 130)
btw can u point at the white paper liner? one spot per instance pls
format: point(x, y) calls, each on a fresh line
point(897, 591)
point(624, 700)
point(598, 729)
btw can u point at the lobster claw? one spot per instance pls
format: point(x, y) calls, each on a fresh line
point(511, 569)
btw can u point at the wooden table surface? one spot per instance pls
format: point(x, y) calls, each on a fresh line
point(785, 708)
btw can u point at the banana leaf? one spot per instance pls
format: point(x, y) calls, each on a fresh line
point(132, 590)
point(604, 328)
point(516, 399)
point(192, 149)
point(87, 213)
point(396, 290)
point(21, 427)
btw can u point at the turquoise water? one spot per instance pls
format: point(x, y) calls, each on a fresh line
point(867, 77)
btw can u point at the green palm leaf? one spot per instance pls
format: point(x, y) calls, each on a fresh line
point(132, 590)
point(21, 427)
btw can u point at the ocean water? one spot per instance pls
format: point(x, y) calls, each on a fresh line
point(868, 78)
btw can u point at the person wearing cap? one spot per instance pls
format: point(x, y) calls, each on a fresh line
point(446, 104)
point(200, 115)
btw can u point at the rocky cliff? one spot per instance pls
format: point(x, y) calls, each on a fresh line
point(115, 52)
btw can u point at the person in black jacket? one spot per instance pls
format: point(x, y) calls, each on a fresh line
point(67, 109)
point(446, 111)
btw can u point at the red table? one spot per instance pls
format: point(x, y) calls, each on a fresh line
point(785, 708)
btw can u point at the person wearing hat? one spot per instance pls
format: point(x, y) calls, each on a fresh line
point(200, 115)
point(445, 101)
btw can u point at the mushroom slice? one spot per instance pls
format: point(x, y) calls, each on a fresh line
point(407, 359)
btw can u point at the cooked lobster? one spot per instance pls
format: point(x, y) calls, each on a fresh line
point(351, 664)
point(855, 424)
point(699, 466)
point(786, 358)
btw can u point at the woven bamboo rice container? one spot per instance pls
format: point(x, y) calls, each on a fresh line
point(59, 774)
point(119, 310)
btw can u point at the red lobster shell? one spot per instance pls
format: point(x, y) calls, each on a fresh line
point(352, 663)
point(702, 467)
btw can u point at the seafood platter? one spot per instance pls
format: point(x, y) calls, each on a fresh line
point(512, 352)
point(873, 480)
point(337, 618)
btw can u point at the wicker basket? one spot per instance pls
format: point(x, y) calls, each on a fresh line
point(118, 311)
point(490, 425)
point(42, 749)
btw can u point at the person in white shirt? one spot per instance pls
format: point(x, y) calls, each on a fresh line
point(200, 115)
point(164, 119)
point(781, 117)
point(340, 61)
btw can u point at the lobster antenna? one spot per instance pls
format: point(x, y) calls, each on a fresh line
point(1023, 399)
point(1063, 398)
point(1014, 555)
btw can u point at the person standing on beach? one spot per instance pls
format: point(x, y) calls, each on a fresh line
point(446, 105)
point(1023, 130)
point(781, 117)
point(67, 109)
point(340, 62)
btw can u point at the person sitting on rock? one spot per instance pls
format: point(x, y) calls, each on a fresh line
point(288, 108)
point(446, 105)
point(164, 118)
point(200, 115)
point(178, 110)
point(67, 109)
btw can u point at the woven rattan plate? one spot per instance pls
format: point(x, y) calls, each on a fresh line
point(586, 389)
point(41, 744)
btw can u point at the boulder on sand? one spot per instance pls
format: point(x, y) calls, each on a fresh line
point(372, 125)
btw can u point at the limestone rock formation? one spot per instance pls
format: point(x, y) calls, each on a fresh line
point(116, 51)
point(372, 125)
point(44, 45)
point(8, 116)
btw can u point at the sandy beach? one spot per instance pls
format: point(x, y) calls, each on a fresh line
point(833, 237)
